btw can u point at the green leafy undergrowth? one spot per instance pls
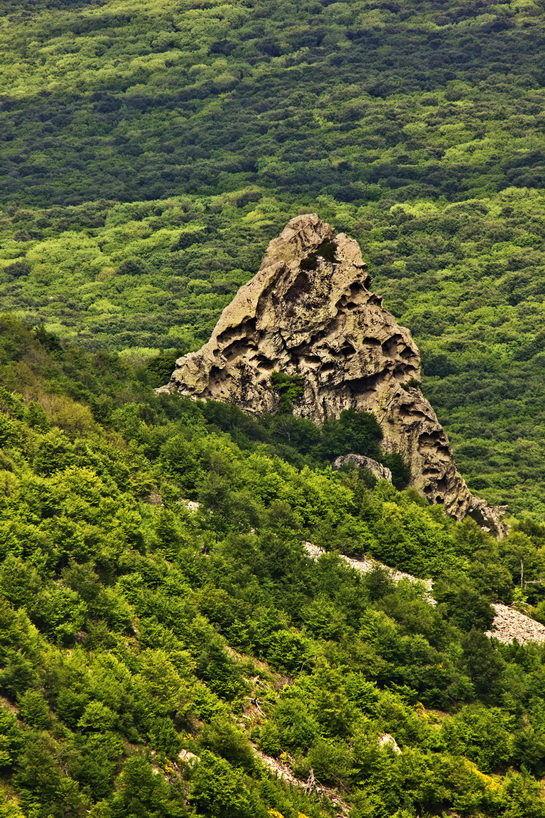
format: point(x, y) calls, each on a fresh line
point(149, 648)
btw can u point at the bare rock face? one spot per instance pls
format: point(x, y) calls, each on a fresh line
point(309, 312)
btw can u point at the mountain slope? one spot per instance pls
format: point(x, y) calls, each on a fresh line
point(149, 646)
point(414, 127)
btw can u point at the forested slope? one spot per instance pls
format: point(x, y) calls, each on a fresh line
point(149, 648)
point(164, 635)
point(415, 126)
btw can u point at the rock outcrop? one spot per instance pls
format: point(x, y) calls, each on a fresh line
point(377, 469)
point(309, 312)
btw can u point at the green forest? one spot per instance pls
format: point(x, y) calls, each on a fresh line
point(164, 635)
point(162, 624)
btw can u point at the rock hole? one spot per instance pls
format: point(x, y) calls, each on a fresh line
point(347, 351)
point(327, 251)
point(359, 386)
point(427, 439)
point(264, 363)
point(237, 333)
point(217, 377)
point(411, 412)
point(300, 286)
point(237, 348)
point(438, 444)
point(389, 347)
point(313, 361)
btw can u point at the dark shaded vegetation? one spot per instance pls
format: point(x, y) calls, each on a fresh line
point(289, 389)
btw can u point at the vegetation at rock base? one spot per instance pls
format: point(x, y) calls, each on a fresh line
point(149, 650)
point(289, 388)
point(150, 151)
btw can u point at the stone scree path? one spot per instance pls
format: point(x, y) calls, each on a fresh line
point(367, 565)
point(508, 625)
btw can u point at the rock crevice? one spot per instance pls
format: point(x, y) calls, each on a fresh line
point(309, 312)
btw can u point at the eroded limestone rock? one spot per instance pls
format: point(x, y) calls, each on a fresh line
point(377, 469)
point(309, 312)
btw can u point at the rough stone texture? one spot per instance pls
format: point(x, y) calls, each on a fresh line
point(377, 469)
point(309, 312)
point(510, 625)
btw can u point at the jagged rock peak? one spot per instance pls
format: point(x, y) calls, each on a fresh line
point(309, 312)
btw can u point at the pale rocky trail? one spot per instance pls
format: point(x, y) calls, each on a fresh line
point(509, 624)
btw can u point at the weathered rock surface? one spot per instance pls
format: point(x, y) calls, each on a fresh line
point(510, 625)
point(377, 469)
point(309, 312)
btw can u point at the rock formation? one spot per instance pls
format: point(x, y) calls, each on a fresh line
point(377, 469)
point(308, 312)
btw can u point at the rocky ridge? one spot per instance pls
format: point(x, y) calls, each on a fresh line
point(309, 313)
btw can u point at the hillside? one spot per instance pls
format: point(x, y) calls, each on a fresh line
point(151, 150)
point(214, 608)
point(167, 639)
